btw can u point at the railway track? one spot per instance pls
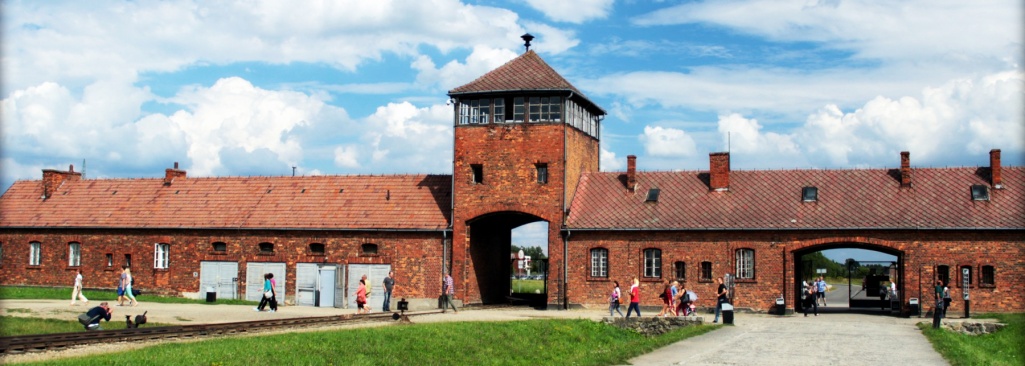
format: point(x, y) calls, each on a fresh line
point(60, 341)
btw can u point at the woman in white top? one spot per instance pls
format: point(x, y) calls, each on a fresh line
point(128, 288)
point(77, 290)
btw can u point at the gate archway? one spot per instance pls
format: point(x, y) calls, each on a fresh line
point(490, 243)
point(862, 294)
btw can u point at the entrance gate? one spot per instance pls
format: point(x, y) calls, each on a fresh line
point(529, 287)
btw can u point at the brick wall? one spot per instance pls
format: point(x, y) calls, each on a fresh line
point(774, 263)
point(415, 257)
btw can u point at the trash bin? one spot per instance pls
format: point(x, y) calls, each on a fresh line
point(727, 313)
point(913, 306)
point(211, 294)
point(781, 306)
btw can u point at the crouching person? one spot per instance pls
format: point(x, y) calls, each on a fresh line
point(91, 319)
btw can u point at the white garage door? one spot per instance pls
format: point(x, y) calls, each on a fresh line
point(305, 283)
point(221, 277)
point(375, 275)
point(254, 279)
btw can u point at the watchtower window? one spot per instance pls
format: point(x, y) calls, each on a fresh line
point(980, 193)
point(478, 173)
point(518, 109)
point(809, 194)
point(545, 109)
point(542, 173)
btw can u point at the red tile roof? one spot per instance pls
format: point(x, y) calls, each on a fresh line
point(528, 72)
point(939, 198)
point(405, 202)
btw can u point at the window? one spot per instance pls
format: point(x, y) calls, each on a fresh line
point(988, 276)
point(266, 247)
point(34, 253)
point(965, 276)
point(599, 262)
point(542, 173)
point(74, 254)
point(545, 109)
point(160, 255)
point(369, 249)
point(110, 260)
point(652, 263)
point(518, 109)
point(706, 271)
point(316, 248)
point(980, 193)
point(478, 173)
point(681, 271)
point(499, 110)
point(809, 194)
point(128, 260)
point(943, 274)
point(220, 246)
point(746, 264)
point(652, 195)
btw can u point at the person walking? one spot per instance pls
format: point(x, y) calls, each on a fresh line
point(268, 297)
point(635, 298)
point(674, 299)
point(721, 292)
point(94, 315)
point(821, 289)
point(76, 292)
point(448, 291)
point(128, 288)
point(121, 287)
point(811, 301)
point(361, 296)
point(614, 300)
point(667, 298)
point(389, 284)
point(947, 300)
point(366, 282)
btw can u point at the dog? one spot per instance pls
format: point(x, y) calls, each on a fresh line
point(139, 320)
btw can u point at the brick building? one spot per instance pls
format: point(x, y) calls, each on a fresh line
point(526, 150)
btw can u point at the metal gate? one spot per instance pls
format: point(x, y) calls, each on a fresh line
point(254, 279)
point(375, 278)
point(319, 284)
point(222, 277)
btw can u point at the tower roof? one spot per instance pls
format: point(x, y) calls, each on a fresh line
point(528, 72)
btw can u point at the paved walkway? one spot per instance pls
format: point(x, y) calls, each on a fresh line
point(828, 339)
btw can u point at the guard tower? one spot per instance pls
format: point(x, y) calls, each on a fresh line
point(523, 138)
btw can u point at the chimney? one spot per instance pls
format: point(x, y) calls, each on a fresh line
point(905, 169)
point(994, 169)
point(171, 174)
point(631, 173)
point(52, 179)
point(719, 171)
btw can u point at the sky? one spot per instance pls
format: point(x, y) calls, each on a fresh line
point(242, 88)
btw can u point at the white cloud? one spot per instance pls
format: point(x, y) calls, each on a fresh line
point(410, 139)
point(122, 40)
point(667, 142)
point(746, 137)
point(573, 11)
point(234, 115)
point(608, 161)
point(954, 31)
point(347, 156)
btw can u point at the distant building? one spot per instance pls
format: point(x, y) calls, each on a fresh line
point(526, 150)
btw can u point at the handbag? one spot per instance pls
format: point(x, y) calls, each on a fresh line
point(85, 319)
point(268, 294)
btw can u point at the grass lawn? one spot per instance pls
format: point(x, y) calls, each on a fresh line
point(96, 296)
point(531, 342)
point(1006, 347)
point(528, 286)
